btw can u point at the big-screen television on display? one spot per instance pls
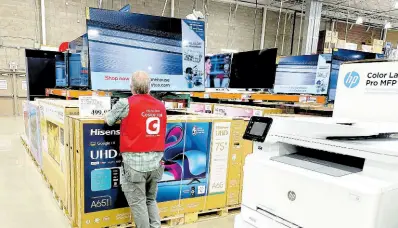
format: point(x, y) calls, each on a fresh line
point(78, 64)
point(340, 56)
point(217, 70)
point(40, 69)
point(61, 75)
point(171, 50)
point(253, 69)
point(306, 74)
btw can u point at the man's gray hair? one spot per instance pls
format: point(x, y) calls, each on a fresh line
point(140, 83)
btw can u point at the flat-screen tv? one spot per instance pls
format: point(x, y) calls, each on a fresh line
point(78, 64)
point(305, 74)
point(171, 50)
point(340, 56)
point(253, 69)
point(40, 69)
point(217, 70)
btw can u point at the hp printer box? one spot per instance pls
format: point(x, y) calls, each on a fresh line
point(54, 124)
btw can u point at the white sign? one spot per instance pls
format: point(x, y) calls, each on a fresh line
point(24, 85)
point(219, 157)
point(3, 85)
point(258, 112)
point(94, 105)
point(367, 92)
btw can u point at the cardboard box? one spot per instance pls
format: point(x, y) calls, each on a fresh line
point(184, 186)
point(377, 42)
point(33, 110)
point(25, 116)
point(235, 168)
point(55, 159)
point(247, 149)
point(201, 107)
point(341, 44)
point(335, 37)
point(243, 110)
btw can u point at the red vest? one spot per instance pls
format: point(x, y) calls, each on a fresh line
point(144, 129)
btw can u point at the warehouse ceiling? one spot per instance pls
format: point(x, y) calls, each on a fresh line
point(374, 12)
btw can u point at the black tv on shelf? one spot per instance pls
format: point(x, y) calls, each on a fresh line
point(253, 69)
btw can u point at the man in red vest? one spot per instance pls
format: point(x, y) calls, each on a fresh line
point(142, 143)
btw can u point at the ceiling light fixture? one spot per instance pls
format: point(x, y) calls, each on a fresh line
point(359, 21)
point(396, 5)
point(387, 25)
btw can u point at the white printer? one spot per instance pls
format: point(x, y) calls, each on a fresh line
point(319, 173)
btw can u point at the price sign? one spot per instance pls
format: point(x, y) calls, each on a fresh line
point(303, 99)
point(219, 157)
point(94, 105)
point(245, 96)
point(206, 96)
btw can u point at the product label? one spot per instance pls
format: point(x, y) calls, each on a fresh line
point(233, 111)
point(102, 162)
point(54, 113)
point(94, 105)
point(219, 157)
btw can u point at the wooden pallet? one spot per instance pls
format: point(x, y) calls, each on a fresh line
point(210, 214)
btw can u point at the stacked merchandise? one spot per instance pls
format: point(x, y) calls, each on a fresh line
point(194, 179)
point(31, 117)
point(81, 161)
point(243, 110)
point(54, 144)
point(197, 107)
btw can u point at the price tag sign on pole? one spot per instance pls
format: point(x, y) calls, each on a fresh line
point(94, 105)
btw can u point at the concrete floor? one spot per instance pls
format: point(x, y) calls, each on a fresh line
point(25, 201)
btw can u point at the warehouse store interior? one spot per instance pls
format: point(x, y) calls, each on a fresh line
point(199, 113)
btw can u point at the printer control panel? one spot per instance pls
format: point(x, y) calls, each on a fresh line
point(258, 128)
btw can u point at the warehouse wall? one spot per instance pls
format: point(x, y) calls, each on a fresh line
point(65, 20)
point(20, 24)
point(392, 36)
point(358, 33)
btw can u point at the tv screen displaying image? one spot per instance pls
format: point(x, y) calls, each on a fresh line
point(253, 69)
point(78, 62)
point(171, 50)
point(187, 151)
point(339, 56)
point(305, 74)
point(217, 70)
point(61, 77)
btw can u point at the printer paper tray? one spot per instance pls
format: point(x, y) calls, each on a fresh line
point(263, 219)
point(317, 165)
